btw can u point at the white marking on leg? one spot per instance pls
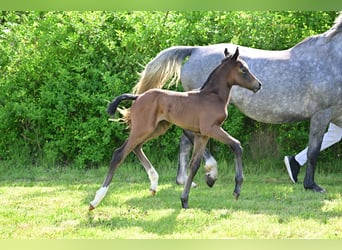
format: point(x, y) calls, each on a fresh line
point(211, 167)
point(100, 194)
point(153, 175)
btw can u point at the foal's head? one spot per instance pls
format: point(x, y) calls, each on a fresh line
point(240, 74)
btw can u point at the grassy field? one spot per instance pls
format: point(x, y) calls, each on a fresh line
point(38, 203)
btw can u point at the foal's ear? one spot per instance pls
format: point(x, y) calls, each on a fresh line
point(226, 53)
point(235, 56)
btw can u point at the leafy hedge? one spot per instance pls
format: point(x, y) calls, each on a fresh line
point(60, 69)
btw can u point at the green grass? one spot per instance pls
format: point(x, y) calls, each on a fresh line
point(53, 203)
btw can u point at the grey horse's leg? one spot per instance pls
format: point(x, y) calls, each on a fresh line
point(185, 146)
point(318, 125)
point(200, 143)
point(183, 159)
point(210, 167)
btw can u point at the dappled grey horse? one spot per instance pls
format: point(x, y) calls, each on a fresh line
point(303, 82)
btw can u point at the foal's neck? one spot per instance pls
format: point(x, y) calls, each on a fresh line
point(217, 83)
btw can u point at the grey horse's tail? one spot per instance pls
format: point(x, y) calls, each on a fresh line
point(115, 103)
point(166, 65)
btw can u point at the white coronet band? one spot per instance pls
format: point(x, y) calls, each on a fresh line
point(100, 194)
point(153, 176)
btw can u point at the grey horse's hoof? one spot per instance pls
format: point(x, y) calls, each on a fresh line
point(236, 195)
point(315, 188)
point(153, 192)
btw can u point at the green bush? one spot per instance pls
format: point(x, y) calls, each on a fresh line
point(60, 69)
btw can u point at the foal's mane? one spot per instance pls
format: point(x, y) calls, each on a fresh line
point(218, 66)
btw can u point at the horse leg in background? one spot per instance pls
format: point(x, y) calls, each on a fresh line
point(210, 162)
point(210, 168)
point(200, 143)
point(118, 157)
point(318, 125)
point(185, 146)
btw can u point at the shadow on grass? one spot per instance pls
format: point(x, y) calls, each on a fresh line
point(153, 214)
point(271, 196)
point(129, 205)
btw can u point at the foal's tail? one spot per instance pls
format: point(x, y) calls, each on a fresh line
point(166, 65)
point(115, 103)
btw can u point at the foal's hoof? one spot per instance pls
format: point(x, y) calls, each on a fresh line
point(236, 195)
point(153, 192)
point(210, 180)
point(184, 203)
point(315, 188)
point(91, 207)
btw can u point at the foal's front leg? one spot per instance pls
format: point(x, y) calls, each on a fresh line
point(200, 143)
point(219, 134)
point(210, 162)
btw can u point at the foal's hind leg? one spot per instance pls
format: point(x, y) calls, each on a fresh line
point(137, 136)
point(152, 173)
point(118, 157)
point(162, 127)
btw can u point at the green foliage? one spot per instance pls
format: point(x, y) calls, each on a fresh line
point(60, 69)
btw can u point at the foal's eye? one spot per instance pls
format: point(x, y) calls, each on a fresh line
point(243, 70)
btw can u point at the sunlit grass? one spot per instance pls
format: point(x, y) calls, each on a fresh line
point(40, 203)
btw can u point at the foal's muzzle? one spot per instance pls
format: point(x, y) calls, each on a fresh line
point(256, 89)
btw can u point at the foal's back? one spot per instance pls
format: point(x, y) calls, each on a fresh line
point(184, 109)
